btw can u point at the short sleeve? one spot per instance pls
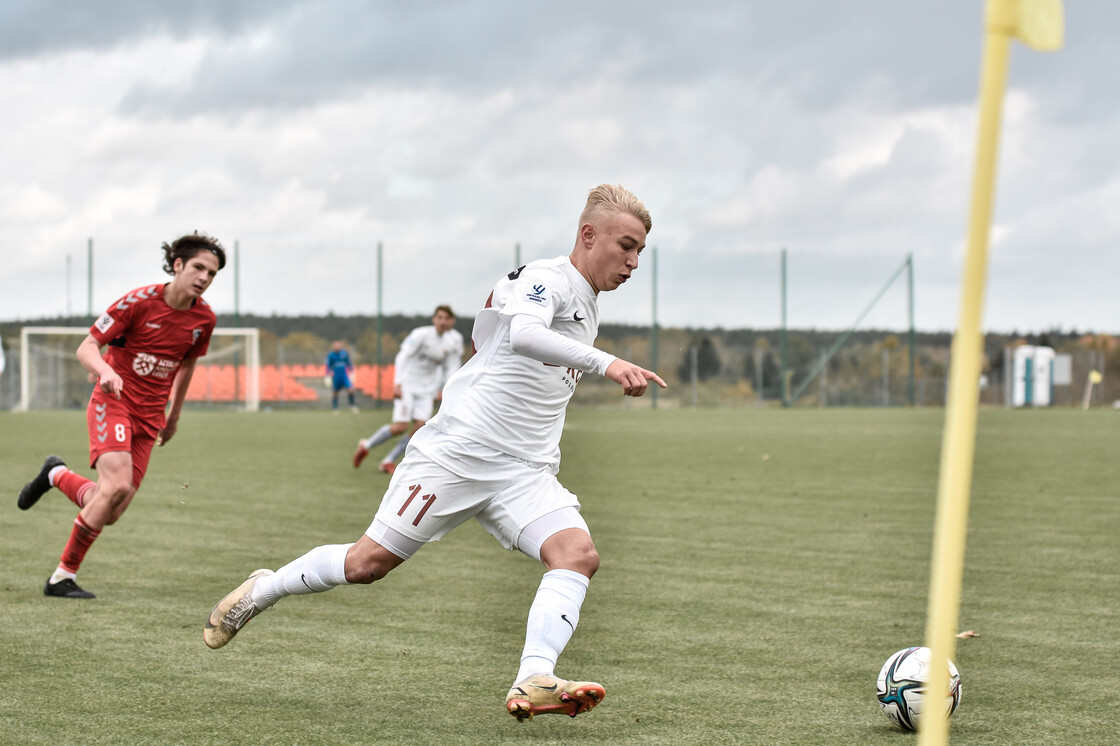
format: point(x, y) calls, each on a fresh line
point(114, 322)
point(536, 293)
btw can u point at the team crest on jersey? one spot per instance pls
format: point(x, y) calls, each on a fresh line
point(195, 334)
point(104, 323)
point(144, 363)
point(537, 294)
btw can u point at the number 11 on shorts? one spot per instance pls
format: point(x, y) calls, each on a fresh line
point(414, 490)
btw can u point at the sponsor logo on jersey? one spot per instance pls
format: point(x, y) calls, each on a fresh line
point(570, 376)
point(145, 364)
point(537, 295)
point(152, 325)
point(104, 323)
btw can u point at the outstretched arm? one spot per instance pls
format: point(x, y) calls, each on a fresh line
point(529, 336)
point(89, 355)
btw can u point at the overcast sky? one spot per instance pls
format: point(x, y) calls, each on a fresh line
point(305, 133)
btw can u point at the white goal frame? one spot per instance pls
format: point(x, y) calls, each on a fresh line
point(252, 337)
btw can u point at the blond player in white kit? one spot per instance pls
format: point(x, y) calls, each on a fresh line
point(492, 453)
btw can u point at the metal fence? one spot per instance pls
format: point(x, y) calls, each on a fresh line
point(62, 384)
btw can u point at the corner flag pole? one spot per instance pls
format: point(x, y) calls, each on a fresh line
point(1039, 24)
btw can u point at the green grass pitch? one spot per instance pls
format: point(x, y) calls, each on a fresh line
point(758, 568)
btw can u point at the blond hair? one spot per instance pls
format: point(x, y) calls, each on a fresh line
point(607, 198)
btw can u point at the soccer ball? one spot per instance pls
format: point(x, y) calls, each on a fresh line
point(902, 683)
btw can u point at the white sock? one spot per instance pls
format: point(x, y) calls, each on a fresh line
point(398, 449)
point(60, 575)
point(53, 474)
point(383, 434)
point(319, 570)
point(552, 620)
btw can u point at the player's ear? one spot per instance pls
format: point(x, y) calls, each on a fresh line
point(587, 234)
point(177, 265)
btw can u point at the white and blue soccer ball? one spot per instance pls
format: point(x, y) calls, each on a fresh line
point(902, 687)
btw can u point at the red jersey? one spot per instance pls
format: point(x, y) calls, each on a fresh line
point(148, 340)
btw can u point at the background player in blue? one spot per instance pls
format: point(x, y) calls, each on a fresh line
point(339, 367)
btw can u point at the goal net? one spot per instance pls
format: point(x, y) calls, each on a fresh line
point(51, 377)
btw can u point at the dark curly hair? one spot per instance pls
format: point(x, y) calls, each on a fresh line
point(186, 247)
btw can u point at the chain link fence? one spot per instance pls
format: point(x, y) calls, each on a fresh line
point(717, 369)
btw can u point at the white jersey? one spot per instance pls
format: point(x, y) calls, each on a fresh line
point(427, 359)
point(511, 402)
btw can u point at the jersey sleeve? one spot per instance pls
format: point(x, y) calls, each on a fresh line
point(536, 293)
point(529, 337)
point(115, 321)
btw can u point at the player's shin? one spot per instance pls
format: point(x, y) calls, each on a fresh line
point(319, 570)
point(553, 617)
point(398, 450)
point(383, 434)
point(81, 539)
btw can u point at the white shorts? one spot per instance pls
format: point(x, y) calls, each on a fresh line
point(426, 499)
point(411, 407)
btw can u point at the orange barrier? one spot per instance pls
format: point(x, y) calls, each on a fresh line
point(367, 381)
point(216, 383)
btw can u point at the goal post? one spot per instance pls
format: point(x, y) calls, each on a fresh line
point(51, 377)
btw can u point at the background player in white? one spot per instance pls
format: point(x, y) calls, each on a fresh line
point(427, 358)
point(492, 453)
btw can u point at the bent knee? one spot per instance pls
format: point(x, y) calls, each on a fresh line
point(583, 559)
point(588, 562)
point(366, 565)
point(365, 574)
point(116, 499)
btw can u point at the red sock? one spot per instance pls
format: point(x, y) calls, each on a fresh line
point(74, 486)
point(80, 540)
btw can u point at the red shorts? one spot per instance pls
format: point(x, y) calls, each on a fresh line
point(113, 429)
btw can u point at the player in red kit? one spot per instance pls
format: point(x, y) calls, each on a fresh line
point(154, 336)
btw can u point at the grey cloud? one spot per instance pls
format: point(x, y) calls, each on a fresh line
point(318, 51)
point(468, 126)
point(33, 27)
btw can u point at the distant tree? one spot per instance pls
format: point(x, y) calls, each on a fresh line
point(802, 355)
point(771, 381)
point(304, 347)
point(708, 363)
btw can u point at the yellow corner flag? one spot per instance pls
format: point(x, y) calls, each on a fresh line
point(1039, 24)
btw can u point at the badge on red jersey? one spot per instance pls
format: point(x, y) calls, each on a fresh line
point(104, 323)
